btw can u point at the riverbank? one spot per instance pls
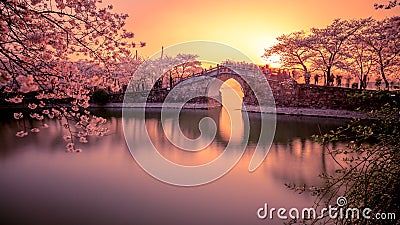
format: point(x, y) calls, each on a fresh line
point(279, 110)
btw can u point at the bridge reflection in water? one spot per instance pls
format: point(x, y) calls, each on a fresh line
point(230, 119)
point(103, 183)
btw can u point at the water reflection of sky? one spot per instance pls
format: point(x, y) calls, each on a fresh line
point(41, 184)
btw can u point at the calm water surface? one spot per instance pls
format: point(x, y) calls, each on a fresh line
point(42, 184)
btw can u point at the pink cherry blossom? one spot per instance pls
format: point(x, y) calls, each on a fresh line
point(83, 140)
point(18, 116)
point(21, 133)
point(16, 99)
point(35, 130)
point(67, 137)
point(70, 145)
point(43, 38)
point(32, 106)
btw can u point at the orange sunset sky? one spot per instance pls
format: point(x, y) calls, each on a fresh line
point(250, 26)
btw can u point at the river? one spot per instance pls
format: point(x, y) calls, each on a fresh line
point(40, 183)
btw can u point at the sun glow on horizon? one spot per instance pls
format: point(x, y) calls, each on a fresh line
point(247, 26)
point(274, 61)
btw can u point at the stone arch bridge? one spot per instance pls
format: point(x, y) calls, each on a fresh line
point(205, 87)
point(284, 92)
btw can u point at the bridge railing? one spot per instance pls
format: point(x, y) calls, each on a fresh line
point(215, 71)
point(206, 72)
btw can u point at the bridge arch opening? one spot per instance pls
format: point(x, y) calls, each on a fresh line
point(232, 94)
point(230, 119)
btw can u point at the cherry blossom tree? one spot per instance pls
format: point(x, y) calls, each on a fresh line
point(150, 71)
point(292, 51)
point(358, 56)
point(169, 76)
point(167, 69)
point(128, 66)
point(391, 4)
point(164, 72)
point(328, 42)
point(383, 38)
point(186, 65)
point(40, 42)
point(361, 47)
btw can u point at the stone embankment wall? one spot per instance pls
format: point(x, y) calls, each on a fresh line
point(286, 94)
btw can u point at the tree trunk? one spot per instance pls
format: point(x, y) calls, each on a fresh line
point(328, 76)
point(363, 82)
point(382, 68)
point(384, 78)
point(170, 82)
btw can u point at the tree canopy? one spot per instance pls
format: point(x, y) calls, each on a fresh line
point(41, 42)
point(359, 47)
